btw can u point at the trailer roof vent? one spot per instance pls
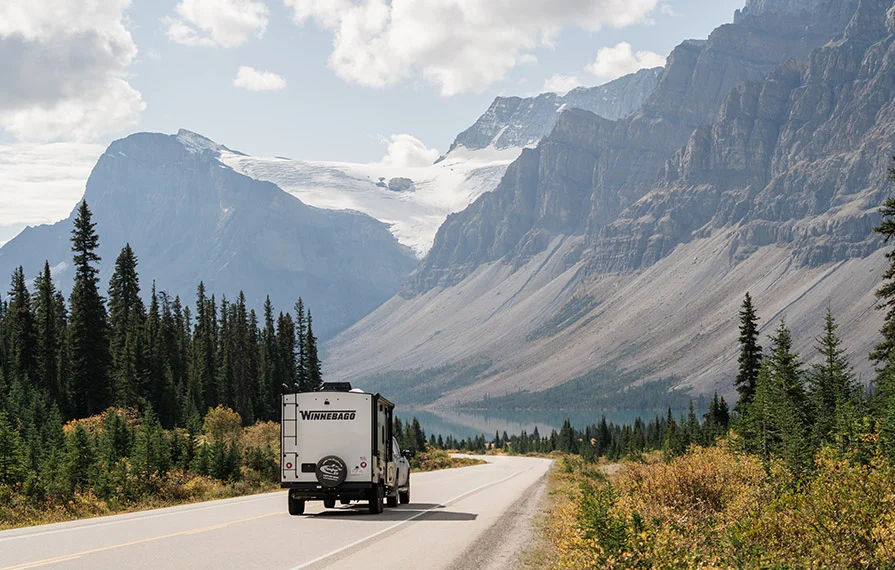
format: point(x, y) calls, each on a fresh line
point(336, 387)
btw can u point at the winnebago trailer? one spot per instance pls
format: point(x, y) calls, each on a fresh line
point(337, 444)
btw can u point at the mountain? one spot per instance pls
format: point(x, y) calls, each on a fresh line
point(412, 200)
point(610, 262)
point(415, 200)
point(517, 122)
point(190, 217)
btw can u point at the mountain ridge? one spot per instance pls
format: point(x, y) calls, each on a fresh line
point(190, 217)
point(756, 190)
point(522, 121)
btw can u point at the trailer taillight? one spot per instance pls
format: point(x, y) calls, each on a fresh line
point(288, 465)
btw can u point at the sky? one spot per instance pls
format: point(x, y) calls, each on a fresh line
point(346, 80)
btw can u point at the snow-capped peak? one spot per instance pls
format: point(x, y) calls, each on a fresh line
point(194, 142)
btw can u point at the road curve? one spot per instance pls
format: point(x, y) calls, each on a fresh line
point(456, 519)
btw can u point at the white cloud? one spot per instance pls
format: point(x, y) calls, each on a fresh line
point(458, 45)
point(65, 70)
point(256, 80)
point(620, 59)
point(224, 23)
point(407, 150)
point(561, 84)
point(41, 183)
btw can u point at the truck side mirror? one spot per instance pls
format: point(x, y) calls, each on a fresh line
point(408, 453)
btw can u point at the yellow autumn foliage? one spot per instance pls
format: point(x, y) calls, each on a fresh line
point(718, 507)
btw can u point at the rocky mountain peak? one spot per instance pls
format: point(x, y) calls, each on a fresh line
point(784, 7)
point(194, 142)
point(516, 122)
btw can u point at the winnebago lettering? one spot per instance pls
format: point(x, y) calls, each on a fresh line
point(328, 414)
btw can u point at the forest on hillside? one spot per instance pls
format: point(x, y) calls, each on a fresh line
point(105, 402)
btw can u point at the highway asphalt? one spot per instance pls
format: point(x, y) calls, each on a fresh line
point(471, 517)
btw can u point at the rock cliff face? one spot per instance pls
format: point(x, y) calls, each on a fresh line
point(189, 218)
point(798, 160)
point(516, 122)
point(583, 176)
point(758, 163)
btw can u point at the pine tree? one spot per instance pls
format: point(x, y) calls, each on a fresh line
point(884, 352)
point(786, 366)
point(832, 385)
point(418, 437)
point(312, 367)
point(151, 452)
point(750, 354)
point(4, 347)
point(269, 366)
point(287, 363)
point(778, 421)
point(243, 370)
point(63, 360)
point(115, 440)
point(21, 329)
point(566, 441)
point(126, 322)
point(79, 459)
point(301, 358)
point(224, 357)
point(88, 336)
point(13, 456)
point(204, 347)
point(48, 335)
point(164, 350)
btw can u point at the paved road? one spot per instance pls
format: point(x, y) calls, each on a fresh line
point(457, 518)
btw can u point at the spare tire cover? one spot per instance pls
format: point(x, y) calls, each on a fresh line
point(331, 471)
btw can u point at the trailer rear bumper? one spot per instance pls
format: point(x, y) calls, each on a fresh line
point(316, 492)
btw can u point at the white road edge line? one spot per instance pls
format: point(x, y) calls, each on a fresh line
point(175, 511)
point(405, 521)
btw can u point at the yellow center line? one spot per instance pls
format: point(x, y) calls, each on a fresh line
point(75, 555)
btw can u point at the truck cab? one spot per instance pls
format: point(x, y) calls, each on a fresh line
point(337, 445)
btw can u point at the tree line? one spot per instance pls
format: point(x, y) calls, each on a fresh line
point(93, 352)
point(148, 380)
point(607, 439)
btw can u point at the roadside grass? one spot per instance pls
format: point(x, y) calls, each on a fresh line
point(542, 551)
point(718, 507)
point(179, 488)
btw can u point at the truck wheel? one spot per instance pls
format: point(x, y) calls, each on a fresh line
point(296, 506)
point(376, 500)
point(392, 500)
point(329, 503)
point(404, 496)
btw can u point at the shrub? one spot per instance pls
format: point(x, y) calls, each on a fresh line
point(222, 425)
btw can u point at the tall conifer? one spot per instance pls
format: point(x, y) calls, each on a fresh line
point(750, 353)
point(126, 322)
point(48, 334)
point(832, 386)
point(88, 335)
point(884, 352)
point(21, 329)
point(301, 358)
point(312, 366)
